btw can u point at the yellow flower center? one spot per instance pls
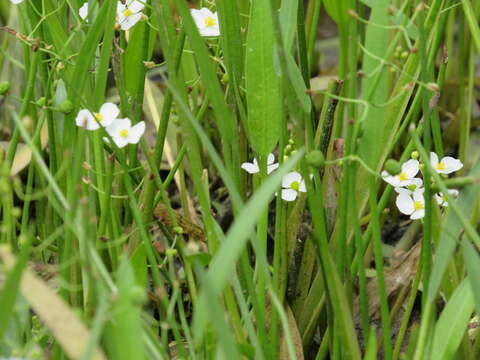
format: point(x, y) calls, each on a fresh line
point(127, 12)
point(440, 166)
point(124, 133)
point(99, 117)
point(402, 176)
point(295, 185)
point(417, 205)
point(210, 21)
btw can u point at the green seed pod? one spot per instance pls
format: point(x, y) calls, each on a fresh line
point(393, 167)
point(315, 159)
point(66, 107)
point(4, 87)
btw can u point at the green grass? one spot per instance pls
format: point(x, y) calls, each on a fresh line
point(166, 248)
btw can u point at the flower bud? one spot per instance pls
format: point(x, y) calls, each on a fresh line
point(66, 107)
point(393, 167)
point(4, 87)
point(415, 155)
point(315, 159)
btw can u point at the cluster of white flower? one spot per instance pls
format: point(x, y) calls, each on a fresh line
point(121, 130)
point(292, 183)
point(410, 200)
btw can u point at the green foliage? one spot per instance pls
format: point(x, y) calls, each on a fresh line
point(183, 244)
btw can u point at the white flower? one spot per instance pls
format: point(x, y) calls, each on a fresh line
point(129, 14)
point(447, 165)
point(123, 133)
point(412, 204)
point(442, 201)
point(83, 11)
point(405, 178)
point(206, 21)
point(292, 183)
point(92, 121)
point(16, 1)
point(252, 168)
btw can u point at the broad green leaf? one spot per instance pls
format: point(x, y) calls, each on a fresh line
point(453, 321)
point(288, 22)
point(263, 83)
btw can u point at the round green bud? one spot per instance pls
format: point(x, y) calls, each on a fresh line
point(171, 252)
point(41, 102)
point(315, 159)
point(66, 107)
point(415, 155)
point(178, 230)
point(225, 78)
point(393, 167)
point(4, 87)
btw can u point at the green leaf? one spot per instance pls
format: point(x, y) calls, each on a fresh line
point(337, 9)
point(453, 321)
point(263, 84)
point(123, 333)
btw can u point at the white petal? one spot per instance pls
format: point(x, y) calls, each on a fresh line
point(417, 182)
point(270, 159)
point(302, 187)
point(16, 1)
point(405, 204)
point(289, 194)
point(410, 168)
point(451, 165)
point(120, 141)
point(418, 214)
point(400, 190)
point(392, 180)
point(135, 6)
point(109, 113)
point(271, 168)
point(121, 7)
point(83, 11)
point(130, 21)
point(418, 195)
point(250, 168)
point(433, 159)
point(136, 132)
point(291, 177)
point(86, 120)
point(119, 124)
point(210, 31)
